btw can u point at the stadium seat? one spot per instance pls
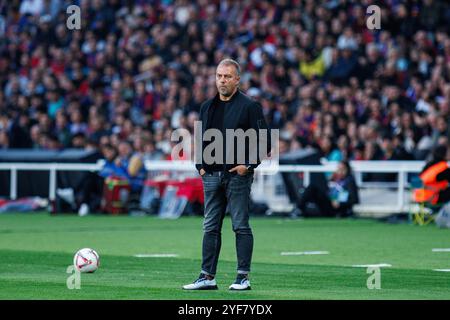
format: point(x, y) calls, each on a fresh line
point(116, 194)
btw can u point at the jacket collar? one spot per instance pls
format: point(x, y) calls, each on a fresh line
point(215, 100)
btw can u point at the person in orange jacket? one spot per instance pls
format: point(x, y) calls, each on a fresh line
point(435, 177)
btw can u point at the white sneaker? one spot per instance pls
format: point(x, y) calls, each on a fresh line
point(67, 195)
point(202, 284)
point(84, 210)
point(243, 284)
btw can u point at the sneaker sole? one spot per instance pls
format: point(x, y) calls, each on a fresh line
point(246, 289)
point(203, 288)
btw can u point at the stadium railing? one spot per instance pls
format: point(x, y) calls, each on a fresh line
point(53, 168)
point(268, 187)
point(377, 197)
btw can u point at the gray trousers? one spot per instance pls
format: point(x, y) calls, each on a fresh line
point(226, 193)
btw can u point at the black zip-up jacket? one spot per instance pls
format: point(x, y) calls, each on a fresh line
point(241, 112)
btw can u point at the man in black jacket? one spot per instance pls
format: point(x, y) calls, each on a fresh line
point(227, 172)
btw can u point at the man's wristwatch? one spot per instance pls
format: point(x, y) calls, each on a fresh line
point(250, 169)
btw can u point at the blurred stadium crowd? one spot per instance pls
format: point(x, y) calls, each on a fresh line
point(139, 69)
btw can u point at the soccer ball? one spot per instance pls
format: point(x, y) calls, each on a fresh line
point(86, 260)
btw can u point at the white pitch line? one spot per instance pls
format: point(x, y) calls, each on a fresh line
point(441, 250)
point(301, 253)
point(442, 270)
point(156, 255)
point(379, 265)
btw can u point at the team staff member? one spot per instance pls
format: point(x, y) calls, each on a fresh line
point(436, 177)
point(227, 185)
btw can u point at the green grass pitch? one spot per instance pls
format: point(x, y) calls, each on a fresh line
point(36, 249)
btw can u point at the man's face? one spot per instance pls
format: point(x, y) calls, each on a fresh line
point(227, 79)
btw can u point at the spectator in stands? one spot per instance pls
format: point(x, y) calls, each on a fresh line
point(77, 125)
point(312, 65)
point(110, 168)
point(339, 198)
point(151, 153)
point(329, 150)
point(62, 130)
point(35, 135)
point(137, 64)
point(132, 164)
point(78, 141)
point(4, 140)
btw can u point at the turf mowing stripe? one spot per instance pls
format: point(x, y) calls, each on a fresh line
point(441, 250)
point(300, 253)
point(379, 265)
point(156, 255)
